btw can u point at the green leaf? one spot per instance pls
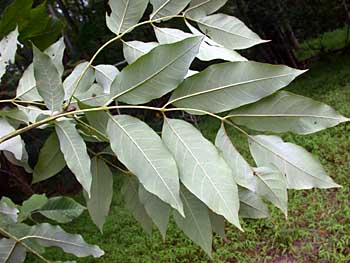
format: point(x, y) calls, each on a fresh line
point(26, 89)
point(75, 153)
point(202, 8)
point(217, 224)
point(251, 205)
point(287, 112)
point(141, 150)
point(35, 202)
point(101, 192)
point(94, 96)
point(202, 170)
point(303, 171)
point(20, 231)
point(36, 21)
point(35, 114)
point(105, 74)
point(229, 31)
point(54, 236)
point(51, 160)
point(8, 212)
point(242, 172)
point(125, 14)
point(207, 51)
point(34, 24)
point(61, 209)
point(156, 209)
point(230, 85)
point(55, 52)
point(85, 83)
point(14, 114)
point(13, 145)
point(97, 119)
point(272, 185)
point(48, 80)
point(134, 205)
point(162, 8)
point(156, 73)
point(49, 34)
point(196, 225)
point(11, 16)
point(8, 48)
point(23, 162)
point(134, 49)
point(11, 252)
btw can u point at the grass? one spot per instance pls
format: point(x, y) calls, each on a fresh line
point(329, 41)
point(318, 226)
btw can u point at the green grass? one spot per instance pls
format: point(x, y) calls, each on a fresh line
point(329, 41)
point(318, 226)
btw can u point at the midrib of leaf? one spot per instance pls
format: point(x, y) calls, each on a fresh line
point(256, 208)
point(271, 189)
point(161, 7)
point(199, 165)
point(153, 75)
point(227, 87)
point(223, 30)
point(25, 92)
point(52, 239)
point(11, 251)
point(5, 212)
point(285, 160)
point(147, 159)
point(194, 218)
point(134, 47)
point(97, 178)
point(196, 6)
point(123, 17)
point(288, 115)
point(93, 98)
point(72, 145)
point(52, 157)
point(228, 140)
point(50, 91)
point(175, 36)
point(97, 69)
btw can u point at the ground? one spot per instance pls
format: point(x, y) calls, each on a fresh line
point(318, 224)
